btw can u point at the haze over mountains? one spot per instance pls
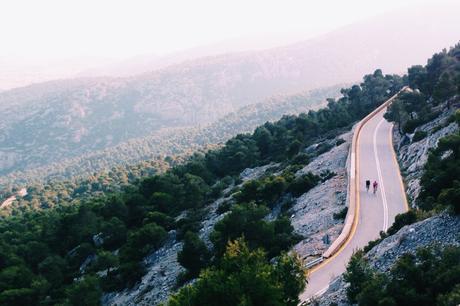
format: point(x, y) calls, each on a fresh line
point(376, 41)
point(52, 121)
point(17, 71)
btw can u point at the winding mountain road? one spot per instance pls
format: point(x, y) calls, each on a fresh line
point(375, 160)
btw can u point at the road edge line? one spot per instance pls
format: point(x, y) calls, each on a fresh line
point(380, 176)
point(395, 160)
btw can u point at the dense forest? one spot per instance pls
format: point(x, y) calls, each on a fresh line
point(48, 186)
point(431, 275)
point(69, 254)
point(47, 195)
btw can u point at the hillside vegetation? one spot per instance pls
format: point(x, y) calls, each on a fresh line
point(71, 253)
point(437, 82)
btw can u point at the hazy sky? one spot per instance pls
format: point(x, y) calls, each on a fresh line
point(116, 28)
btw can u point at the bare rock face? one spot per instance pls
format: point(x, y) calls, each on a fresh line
point(313, 216)
point(334, 160)
point(441, 230)
point(211, 220)
point(313, 212)
point(254, 173)
point(163, 269)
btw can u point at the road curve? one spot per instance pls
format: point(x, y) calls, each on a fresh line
point(375, 160)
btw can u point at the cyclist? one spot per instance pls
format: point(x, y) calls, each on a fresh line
point(368, 184)
point(375, 185)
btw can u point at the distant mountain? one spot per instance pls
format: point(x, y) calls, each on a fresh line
point(150, 62)
point(50, 122)
point(173, 142)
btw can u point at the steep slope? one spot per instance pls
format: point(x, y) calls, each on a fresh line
point(408, 240)
point(313, 216)
point(70, 254)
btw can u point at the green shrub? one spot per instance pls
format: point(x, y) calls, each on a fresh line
point(161, 219)
point(187, 224)
point(194, 255)
point(437, 128)
point(265, 190)
point(247, 220)
point(323, 148)
point(440, 181)
point(303, 183)
point(371, 244)
point(142, 241)
point(301, 159)
point(357, 275)
point(341, 214)
point(419, 135)
point(401, 220)
point(224, 207)
point(339, 141)
point(327, 174)
point(86, 291)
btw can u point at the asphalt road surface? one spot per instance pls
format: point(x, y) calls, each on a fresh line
point(375, 162)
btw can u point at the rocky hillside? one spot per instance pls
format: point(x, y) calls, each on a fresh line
point(413, 152)
point(318, 214)
point(314, 215)
point(409, 239)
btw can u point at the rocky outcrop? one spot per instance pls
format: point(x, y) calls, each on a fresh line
point(412, 155)
point(162, 271)
point(255, 173)
point(333, 160)
point(442, 230)
point(313, 216)
point(313, 212)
